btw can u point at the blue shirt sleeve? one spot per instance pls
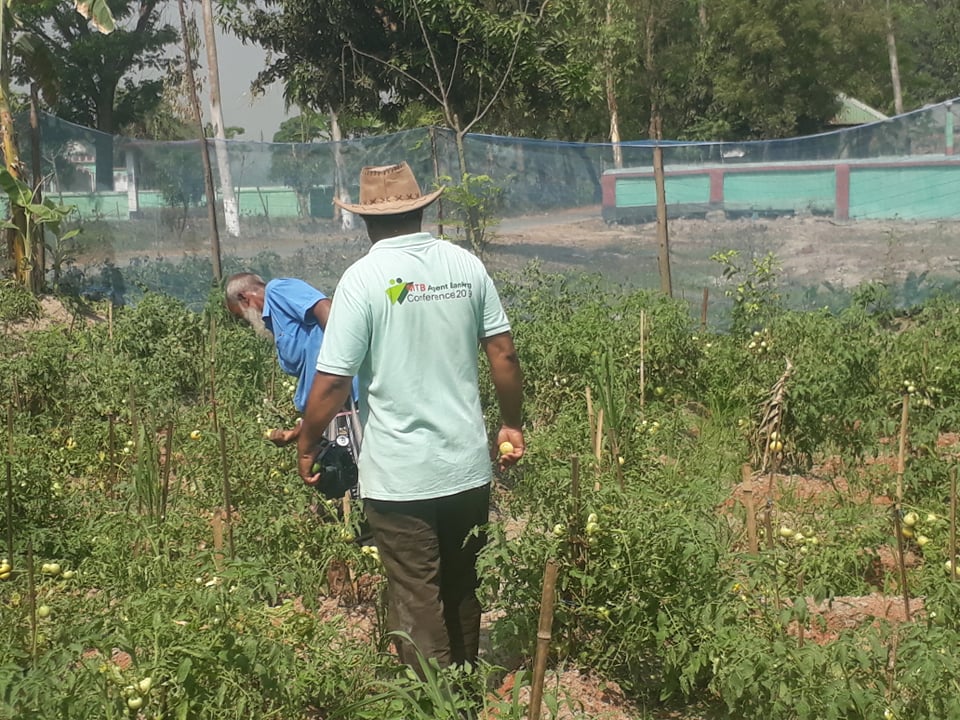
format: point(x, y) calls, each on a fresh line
point(292, 298)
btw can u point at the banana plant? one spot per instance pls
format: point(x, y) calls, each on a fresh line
point(38, 218)
point(29, 49)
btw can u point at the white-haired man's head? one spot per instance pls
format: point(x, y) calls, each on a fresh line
point(245, 292)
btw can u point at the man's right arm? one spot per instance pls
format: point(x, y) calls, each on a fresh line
point(508, 381)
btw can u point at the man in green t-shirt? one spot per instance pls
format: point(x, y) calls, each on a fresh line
point(407, 319)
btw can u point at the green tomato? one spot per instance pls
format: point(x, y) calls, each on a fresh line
point(43, 611)
point(135, 703)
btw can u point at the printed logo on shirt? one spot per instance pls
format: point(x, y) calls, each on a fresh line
point(399, 291)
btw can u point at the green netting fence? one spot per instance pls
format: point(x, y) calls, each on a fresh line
point(877, 203)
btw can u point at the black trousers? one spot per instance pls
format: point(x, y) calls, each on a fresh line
point(430, 563)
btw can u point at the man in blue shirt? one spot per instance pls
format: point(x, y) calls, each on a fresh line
point(293, 314)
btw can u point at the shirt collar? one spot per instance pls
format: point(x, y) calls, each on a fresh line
point(410, 240)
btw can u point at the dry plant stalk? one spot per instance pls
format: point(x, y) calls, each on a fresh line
point(772, 412)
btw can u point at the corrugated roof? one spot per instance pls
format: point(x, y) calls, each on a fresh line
point(854, 112)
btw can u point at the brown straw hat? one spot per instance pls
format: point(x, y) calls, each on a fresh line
point(388, 190)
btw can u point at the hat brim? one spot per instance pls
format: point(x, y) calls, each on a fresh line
point(394, 207)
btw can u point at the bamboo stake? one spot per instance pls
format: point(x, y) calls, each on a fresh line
point(598, 447)
point(213, 373)
point(168, 462)
point(8, 463)
point(703, 308)
point(543, 639)
point(573, 521)
point(800, 625)
point(32, 600)
point(902, 455)
point(112, 450)
point(953, 524)
point(643, 378)
point(598, 439)
point(351, 579)
point(590, 418)
point(216, 525)
point(901, 562)
point(751, 510)
point(227, 501)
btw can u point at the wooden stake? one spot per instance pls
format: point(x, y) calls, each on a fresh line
point(213, 373)
point(703, 308)
point(8, 463)
point(751, 511)
point(598, 439)
point(543, 639)
point(590, 418)
point(598, 447)
point(953, 524)
point(800, 626)
point(227, 501)
point(901, 561)
point(578, 554)
point(32, 600)
point(216, 524)
point(112, 451)
point(167, 463)
point(643, 379)
point(902, 455)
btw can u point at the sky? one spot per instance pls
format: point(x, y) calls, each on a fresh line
point(260, 117)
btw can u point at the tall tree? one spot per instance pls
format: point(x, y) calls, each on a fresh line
point(102, 80)
point(310, 49)
point(776, 66)
point(231, 211)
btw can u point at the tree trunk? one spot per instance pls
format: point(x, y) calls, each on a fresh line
point(894, 63)
point(231, 212)
point(204, 150)
point(341, 187)
point(610, 81)
point(104, 145)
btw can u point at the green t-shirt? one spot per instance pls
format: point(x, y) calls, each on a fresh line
point(407, 319)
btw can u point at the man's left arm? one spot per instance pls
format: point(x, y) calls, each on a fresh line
point(327, 397)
